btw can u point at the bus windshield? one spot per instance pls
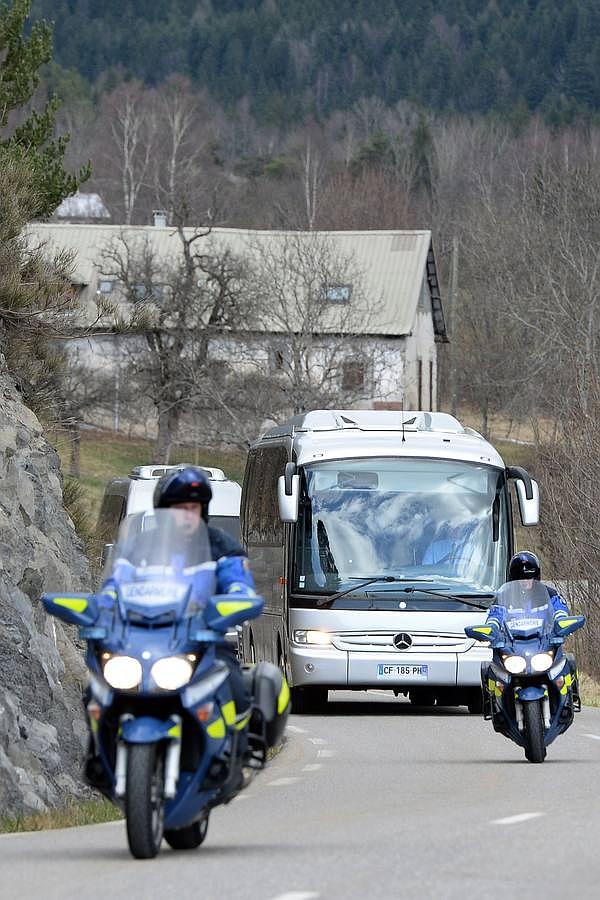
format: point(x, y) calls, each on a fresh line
point(443, 522)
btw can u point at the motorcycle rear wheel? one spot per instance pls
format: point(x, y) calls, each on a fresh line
point(187, 838)
point(533, 731)
point(144, 800)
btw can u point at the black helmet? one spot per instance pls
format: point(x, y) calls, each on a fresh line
point(189, 485)
point(524, 565)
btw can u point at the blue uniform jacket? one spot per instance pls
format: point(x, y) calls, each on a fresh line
point(228, 573)
point(496, 614)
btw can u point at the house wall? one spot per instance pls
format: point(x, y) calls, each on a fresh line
point(421, 357)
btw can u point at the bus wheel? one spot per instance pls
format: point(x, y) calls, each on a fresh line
point(307, 700)
point(475, 702)
point(422, 697)
point(281, 660)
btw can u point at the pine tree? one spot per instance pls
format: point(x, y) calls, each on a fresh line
point(31, 141)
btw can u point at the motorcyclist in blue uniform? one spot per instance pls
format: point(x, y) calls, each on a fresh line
point(525, 566)
point(188, 492)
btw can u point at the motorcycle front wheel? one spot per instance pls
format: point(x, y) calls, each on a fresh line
point(144, 800)
point(187, 838)
point(533, 731)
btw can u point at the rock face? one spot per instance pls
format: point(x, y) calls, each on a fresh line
point(42, 726)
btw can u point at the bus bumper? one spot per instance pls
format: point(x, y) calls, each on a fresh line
point(331, 667)
point(318, 665)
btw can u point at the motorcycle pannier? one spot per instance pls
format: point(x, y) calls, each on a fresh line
point(271, 701)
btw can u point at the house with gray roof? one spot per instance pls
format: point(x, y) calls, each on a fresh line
point(394, 270)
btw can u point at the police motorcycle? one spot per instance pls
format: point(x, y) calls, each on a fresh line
point(167, 741)
point(530, 686)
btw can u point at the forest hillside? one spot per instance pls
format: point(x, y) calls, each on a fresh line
point(294, 58)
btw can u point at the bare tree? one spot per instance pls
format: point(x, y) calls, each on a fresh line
point(176, 306)
point(126, 144)
point(314, 308)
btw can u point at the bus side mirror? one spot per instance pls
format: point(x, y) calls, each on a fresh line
point(288, 492)
point(528, 495)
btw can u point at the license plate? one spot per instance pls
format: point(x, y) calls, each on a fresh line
point(397, 671)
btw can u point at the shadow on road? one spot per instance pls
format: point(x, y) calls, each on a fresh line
point(367, 705)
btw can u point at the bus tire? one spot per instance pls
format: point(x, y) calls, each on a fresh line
point(309, 700)
point(422, 697)
point(475, 702)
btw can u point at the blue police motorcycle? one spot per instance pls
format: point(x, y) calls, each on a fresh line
point(167, 741)
point(530, 686)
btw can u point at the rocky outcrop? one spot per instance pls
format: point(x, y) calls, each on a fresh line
point(42, 727)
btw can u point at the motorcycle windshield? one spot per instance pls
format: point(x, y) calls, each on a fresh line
point(161, 563)
point(528, 608)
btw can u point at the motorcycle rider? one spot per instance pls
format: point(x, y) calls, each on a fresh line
point(188, 493)
point(525, 567)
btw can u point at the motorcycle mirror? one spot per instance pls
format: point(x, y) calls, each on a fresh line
point(76, 609)
point(223, 611)
point(479, 632)
point(568, 624)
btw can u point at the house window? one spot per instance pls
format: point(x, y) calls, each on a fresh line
point(337, 293)
point(106, 286)
point(353, 375)
point(277, 359)
point(140, 292)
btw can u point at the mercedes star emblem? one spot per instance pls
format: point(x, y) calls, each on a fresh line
point(402, 641)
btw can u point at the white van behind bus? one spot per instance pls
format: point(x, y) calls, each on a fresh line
point(134, 493)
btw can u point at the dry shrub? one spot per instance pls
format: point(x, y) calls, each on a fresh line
point(570, 479)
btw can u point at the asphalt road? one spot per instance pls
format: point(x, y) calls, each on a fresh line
point(374, 800)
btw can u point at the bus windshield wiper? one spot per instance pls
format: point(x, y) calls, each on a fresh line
point(432, 592)
point(438, 592)
point(327, 601)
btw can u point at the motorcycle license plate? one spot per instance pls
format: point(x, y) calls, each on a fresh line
point(402, 672)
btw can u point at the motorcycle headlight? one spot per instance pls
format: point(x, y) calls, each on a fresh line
point(122, 672)
point(541, 662)
point(515, 664)
point(172, 672)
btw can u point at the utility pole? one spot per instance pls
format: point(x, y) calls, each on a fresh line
point(451, 324)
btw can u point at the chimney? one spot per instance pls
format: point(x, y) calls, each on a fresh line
point(160, 218)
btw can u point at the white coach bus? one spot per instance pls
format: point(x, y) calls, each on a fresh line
point(375, 537)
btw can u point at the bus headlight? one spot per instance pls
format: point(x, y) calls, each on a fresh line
point(541, 662)
point(515, 664)
point(122, 672)
point(172, 672)
point(321, 638)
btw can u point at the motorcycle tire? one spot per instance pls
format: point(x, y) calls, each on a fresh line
point(144, 799)
point(533, 731)
point(187, 838)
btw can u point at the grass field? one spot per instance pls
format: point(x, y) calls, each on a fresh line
point(90, 812)
point(105, 455)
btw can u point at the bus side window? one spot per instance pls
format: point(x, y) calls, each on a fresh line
point(111, 514)
point(263, 525)
point(248, 510)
